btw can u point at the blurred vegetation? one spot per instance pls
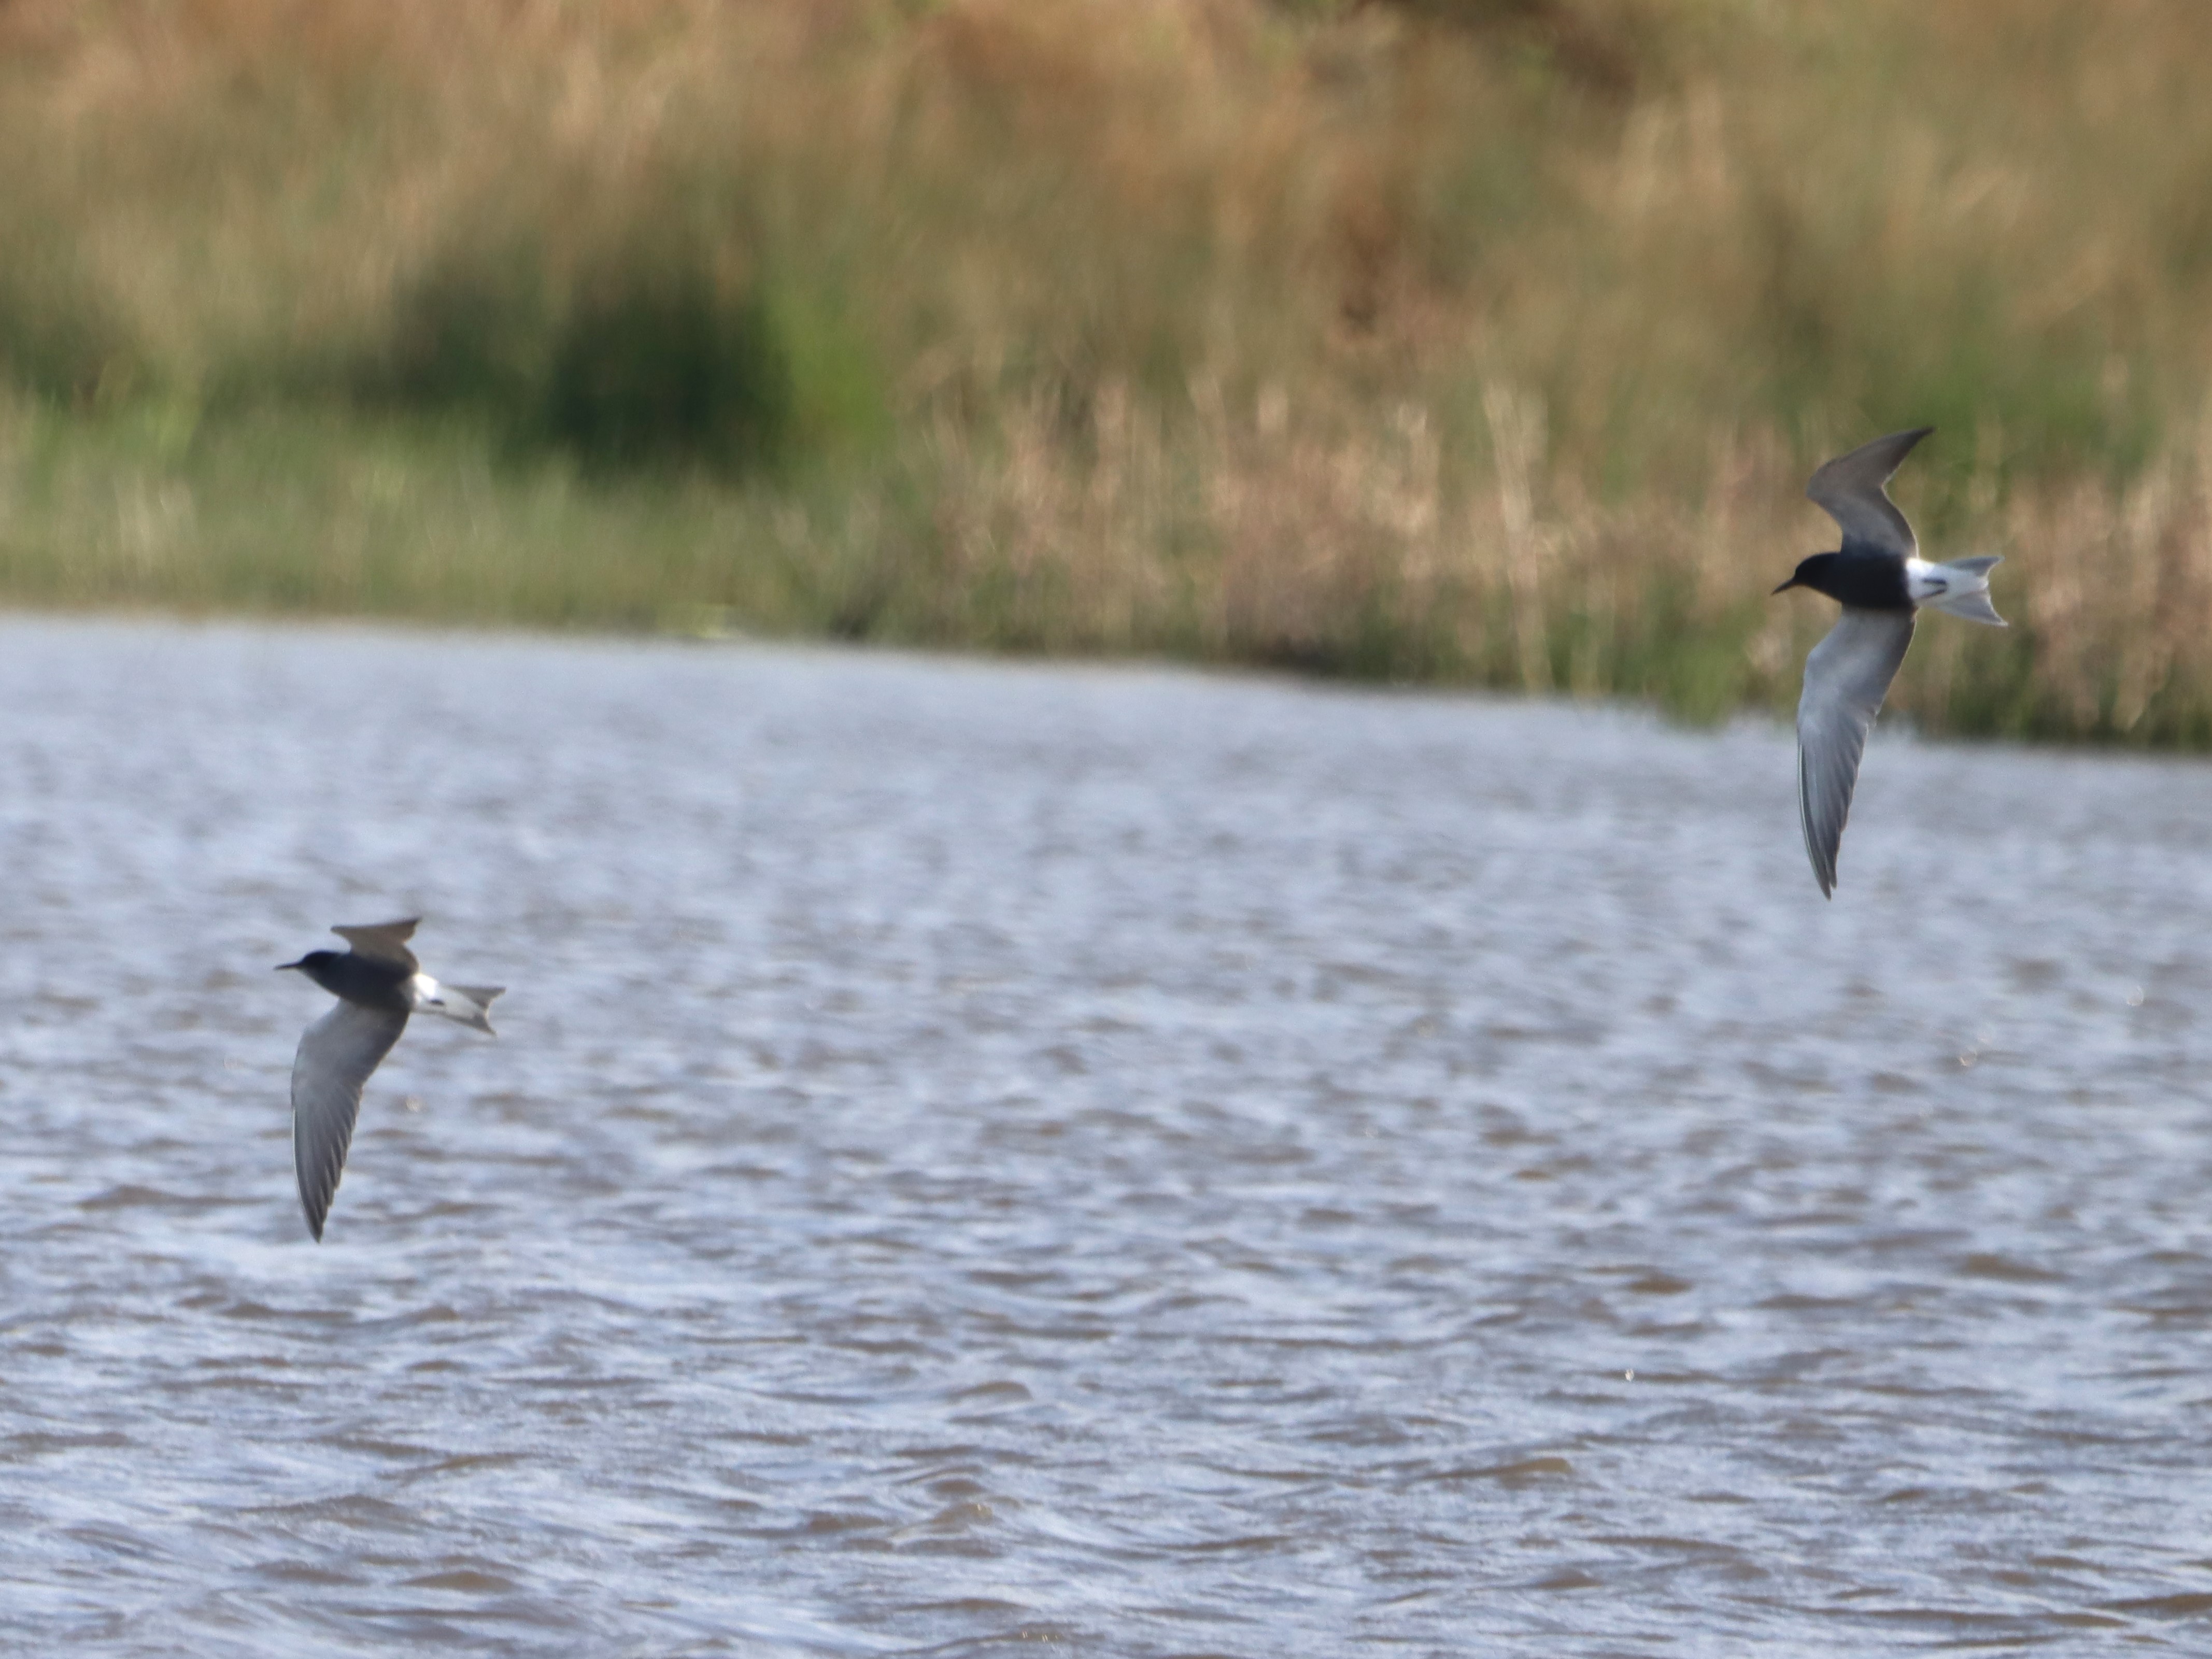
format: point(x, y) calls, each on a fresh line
point(1487, 341)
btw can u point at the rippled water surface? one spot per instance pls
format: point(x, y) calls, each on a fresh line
point(1149, 1164)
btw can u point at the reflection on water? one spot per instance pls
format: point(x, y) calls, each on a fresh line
point(1159, 1163)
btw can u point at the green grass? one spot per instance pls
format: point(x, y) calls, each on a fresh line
point(1163, 548)
point(289, 511)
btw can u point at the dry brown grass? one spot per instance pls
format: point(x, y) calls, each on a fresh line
point(1465, 340)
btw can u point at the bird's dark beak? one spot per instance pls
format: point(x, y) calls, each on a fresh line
point(281, 966)
point(1785, 587)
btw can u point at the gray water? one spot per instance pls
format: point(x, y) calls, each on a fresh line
point(1109, 1161)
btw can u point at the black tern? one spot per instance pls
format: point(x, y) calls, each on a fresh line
point(378, 983)
point(1881, 581)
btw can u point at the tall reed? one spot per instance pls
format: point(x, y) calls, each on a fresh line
point(1451, 340)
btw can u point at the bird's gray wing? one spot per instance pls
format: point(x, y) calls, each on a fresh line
point(336, 1056)
point(1846, 678)
point(1850, 489)
point(384, 941)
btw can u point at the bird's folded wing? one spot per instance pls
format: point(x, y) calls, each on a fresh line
point(335, 1059)
point(387, 941)
point(1850, 490)
point(1846, 677)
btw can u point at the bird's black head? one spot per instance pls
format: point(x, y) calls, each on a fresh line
point(320, 966)
point(1816, 572)
point(1862, 580)
point(355, 977)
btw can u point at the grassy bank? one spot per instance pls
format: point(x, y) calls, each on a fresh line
point(1480, 342)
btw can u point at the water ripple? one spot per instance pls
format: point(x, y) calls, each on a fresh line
point(987, 1157)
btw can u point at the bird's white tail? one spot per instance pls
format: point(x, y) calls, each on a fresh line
point(470, 1004)
point(1969, 594)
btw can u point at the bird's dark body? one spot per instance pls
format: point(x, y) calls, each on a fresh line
point(1863, 578)
point(357, 979)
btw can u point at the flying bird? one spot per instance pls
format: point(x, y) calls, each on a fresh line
point(1882, 582)
point(378, 983)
